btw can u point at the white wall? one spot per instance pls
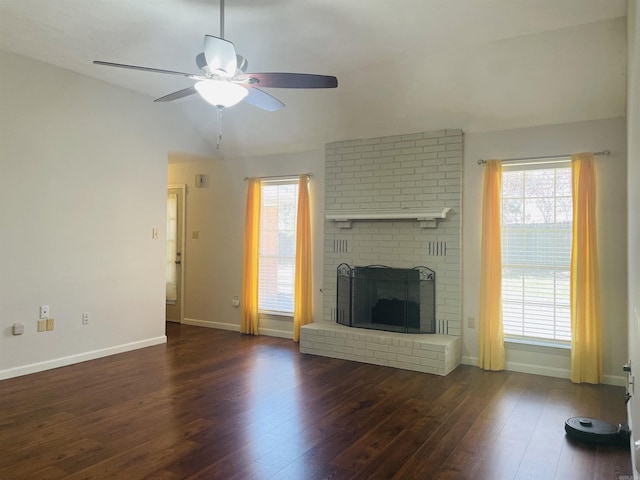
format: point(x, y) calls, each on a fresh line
point(83, 166)
point(612, 233)
point(213, 265)
point(633, 179)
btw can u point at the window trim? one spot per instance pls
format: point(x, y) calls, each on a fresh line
point(272, 315)
point(537, 342)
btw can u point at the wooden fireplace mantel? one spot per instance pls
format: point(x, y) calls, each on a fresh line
point(428, 217)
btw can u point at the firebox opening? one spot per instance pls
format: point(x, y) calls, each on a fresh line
point(384, 298)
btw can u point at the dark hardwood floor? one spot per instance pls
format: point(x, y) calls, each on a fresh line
point(214, 404)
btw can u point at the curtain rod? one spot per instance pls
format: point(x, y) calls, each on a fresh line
point(604, 153)
point(308, 174)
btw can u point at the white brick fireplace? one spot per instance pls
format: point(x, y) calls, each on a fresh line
point(394, 201)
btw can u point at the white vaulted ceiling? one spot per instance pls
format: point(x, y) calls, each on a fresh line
point(402, 65)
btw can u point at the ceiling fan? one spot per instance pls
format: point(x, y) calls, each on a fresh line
point(223, 81)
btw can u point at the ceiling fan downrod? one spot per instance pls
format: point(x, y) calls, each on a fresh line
point(222, 19)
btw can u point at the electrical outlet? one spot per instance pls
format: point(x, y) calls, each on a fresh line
point(85, 318)
point(49, 324)
point(471, 322)
point(44, 311)
point(42, 325)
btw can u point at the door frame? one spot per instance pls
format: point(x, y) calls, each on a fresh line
point(182, 232)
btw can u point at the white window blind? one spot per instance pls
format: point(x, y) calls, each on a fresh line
point(536, 252)
point(278, 215)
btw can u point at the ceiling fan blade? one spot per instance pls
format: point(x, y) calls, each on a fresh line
point(185, 92)
point(289, 80)
point(262, 100)
point(220, 55)
point(145, 69)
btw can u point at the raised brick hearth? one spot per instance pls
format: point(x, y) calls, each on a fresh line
point(437, 354)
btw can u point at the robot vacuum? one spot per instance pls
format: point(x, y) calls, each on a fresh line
point(593, 430)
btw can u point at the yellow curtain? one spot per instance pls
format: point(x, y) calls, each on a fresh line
point(491, 354)
point(303, 290)
point(250, 260)
point(586, 330)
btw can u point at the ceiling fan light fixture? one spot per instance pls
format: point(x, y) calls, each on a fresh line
point(220, 93)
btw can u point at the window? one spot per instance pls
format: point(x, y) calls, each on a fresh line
point(536, 251)
point(171, 271)
point(278, 215)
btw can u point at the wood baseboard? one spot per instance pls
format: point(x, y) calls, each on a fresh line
point(80, 357)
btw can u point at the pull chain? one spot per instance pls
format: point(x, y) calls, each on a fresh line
point(219, 128)
point(219, 107)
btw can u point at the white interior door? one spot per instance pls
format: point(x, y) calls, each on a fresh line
point(175, 253)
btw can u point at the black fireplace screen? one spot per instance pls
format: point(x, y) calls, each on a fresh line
point(383, 298)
